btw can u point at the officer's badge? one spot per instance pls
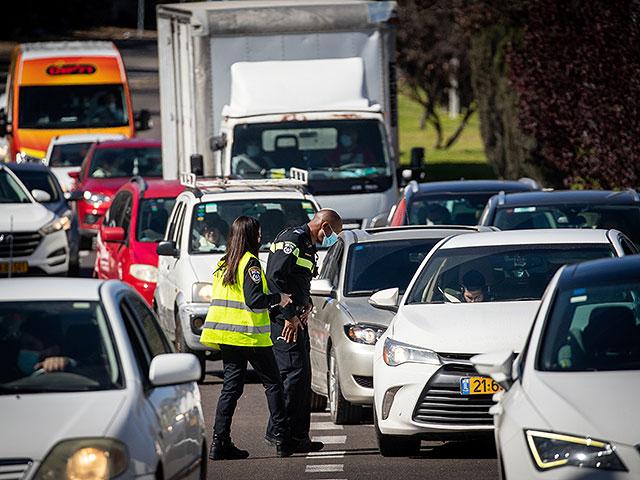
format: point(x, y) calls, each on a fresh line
point(288, 248)
point(255, 274)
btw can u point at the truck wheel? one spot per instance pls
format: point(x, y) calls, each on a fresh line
point(318, 402)
point(182, 347)
point(342, 411)
point(395, 446)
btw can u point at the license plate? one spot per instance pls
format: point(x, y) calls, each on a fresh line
point(478, 386)
point(16, 267)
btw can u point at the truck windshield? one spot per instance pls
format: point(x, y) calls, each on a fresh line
point(72, 106)
point(342, 152)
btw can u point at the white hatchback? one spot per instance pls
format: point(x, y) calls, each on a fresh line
point(90, 388)
point(425, 386)
point(570, 408)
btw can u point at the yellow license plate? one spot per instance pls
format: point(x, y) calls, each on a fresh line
point(16, 267)
point(478, 386)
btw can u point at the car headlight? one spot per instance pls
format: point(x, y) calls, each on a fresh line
point(367, 334)
point(143, 272)
point(53, 226)
point(552, 450)
point(396, 353)
point(202, 292)
point(84, 458)
point(98, 198)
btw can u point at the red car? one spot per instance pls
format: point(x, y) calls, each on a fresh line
point(107, 166)
point(131, 229)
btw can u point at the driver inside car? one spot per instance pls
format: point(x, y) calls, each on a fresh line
point(40, 347)
point(350, 152)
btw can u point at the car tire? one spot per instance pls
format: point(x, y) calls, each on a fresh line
point(318, 402)
point(182, 347)
point(342, 412)
point(395, 446)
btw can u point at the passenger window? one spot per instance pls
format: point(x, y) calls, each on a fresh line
point(333, 272)
point(142, 356)
point(125, 220)
point(174, 220)
point(157, 342)
point(627, 248)
point(180, 226)
point(111, 217)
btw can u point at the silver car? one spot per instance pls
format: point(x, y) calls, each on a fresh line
point(90, 388)
point(343, 327)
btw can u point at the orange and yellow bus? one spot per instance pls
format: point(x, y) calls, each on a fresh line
point(59, 88)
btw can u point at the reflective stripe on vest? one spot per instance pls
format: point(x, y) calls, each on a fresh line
point(229, 320)
point(303, 262)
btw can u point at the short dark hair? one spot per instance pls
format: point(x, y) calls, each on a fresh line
point(473, 280)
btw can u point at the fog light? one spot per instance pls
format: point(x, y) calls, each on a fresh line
point(387, 401)
point(196, 325)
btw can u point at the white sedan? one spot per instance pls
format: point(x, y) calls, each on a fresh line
point(571, 408)
point(472, 294)
point(90, 388)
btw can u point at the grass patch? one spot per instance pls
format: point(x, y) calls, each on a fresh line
point(465, 159)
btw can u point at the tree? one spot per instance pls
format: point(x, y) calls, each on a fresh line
point(432, 50)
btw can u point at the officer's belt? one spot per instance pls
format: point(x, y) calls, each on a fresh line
point(237, 328)
point(234, 304)
point(303, 262)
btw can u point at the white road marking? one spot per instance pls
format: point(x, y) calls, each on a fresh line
point(325, 426)
point(326, 454)
point(320, 414)
point(324, 468)
point(330, 439)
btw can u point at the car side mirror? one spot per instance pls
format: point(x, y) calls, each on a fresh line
point(385, 299)
point(498, 365)
point(112, 234)
point(40, 195)
point(173, 369)
point(75, 174)
point(167, 248)
point(73, 195)
point(218, 142)
point(143, 120)
point(322, 287)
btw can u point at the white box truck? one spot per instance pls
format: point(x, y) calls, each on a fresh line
point(249, 89)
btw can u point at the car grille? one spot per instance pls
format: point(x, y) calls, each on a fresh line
point(366, 382)
point(24, 244)
point(441, 401)
point(14, 469)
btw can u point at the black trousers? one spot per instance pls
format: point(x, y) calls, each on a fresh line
point(295, 369)
point(234, 360)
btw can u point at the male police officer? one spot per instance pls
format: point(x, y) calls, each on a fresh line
point(291, 265)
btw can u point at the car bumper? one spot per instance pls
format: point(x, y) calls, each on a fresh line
point(188, 313)
point(428, 402)
point(355, 371)
point(50, 257)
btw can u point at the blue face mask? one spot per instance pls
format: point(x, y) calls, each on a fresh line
point(27, 359)
point(330, 240)
point(345, 141)
point(253, 151)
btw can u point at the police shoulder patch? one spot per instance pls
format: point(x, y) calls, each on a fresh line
point(255, 274)
point(288, 248)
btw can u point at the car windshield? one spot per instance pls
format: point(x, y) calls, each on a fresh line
point(593, 328)
point(497, 273)
point(211, 220)
point(373, 266)
point(447, 208)
point(124, 162)
point(41, 180)
point(68, 154)
point(625, 218)
point(328, 150)
point(72, 106)
point(153, 214)
point(10, 190)
point(72, 334)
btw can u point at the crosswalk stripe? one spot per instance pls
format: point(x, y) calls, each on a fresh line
point(330, 439)
point(326, 454)
point(325, 426)
point(324, 468)
point(320, 414)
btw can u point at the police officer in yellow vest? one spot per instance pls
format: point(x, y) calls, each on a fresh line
point(238, 323)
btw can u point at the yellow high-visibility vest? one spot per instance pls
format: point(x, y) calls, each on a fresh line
point(229, 320)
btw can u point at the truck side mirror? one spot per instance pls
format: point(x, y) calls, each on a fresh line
point(143, 120)
point(417, 163)
point(197, 165)
point(218, 142)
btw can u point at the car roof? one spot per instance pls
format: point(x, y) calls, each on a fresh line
point(409, 232)
point(554, 197)
point(27, 167)
point(468, 186)
point(531, 237)
point(129, 143)
point(241, 192)
point(601, 272)
point(49, 288)
point(155, 187)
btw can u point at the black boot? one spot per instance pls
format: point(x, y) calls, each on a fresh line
point(224, 449)
point(284, 446)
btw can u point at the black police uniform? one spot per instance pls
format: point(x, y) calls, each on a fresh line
point(290, 267)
